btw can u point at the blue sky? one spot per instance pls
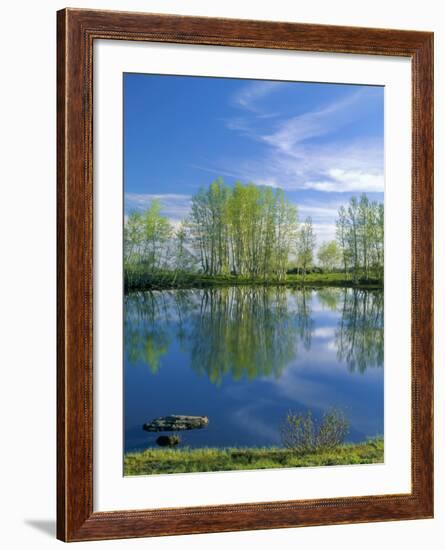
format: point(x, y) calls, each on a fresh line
point(320, 143)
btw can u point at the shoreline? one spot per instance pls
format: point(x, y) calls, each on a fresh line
point(171, 281)
point(210, 459)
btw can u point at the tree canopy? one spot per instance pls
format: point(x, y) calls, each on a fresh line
point(251, 231)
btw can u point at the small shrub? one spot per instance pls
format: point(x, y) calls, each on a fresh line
point(302, 434)
point(168, 440)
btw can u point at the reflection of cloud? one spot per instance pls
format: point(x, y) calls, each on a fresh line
point(319, 382)
point(306, 392)
point(324, 332)
point(318, 307)
point(331, 345)
point(251, 417)
point(174, 206)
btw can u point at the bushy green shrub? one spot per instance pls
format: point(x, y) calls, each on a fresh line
point(303, 434)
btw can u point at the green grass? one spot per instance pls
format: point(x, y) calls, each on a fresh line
point(138, 280)
point(174, 461)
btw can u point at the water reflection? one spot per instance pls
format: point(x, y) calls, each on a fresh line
point(245, 332)
point(330, 297)
point(359, 336)
point(249, 332)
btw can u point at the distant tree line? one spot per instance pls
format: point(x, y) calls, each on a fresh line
point(251, 231)
point(360, 232)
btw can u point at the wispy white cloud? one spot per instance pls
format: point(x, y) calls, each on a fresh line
point(174, 206)
point(293, 158)
point(323, 218)
point(252, 111)
point(313, 124)
point(334, 167)
point(319, 212)
point(219, 171)
point(348, 181)
point(296, 160)
point(239, 124)
point(324, 232)
point(250, 95)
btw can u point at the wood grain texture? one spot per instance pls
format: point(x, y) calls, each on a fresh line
point(76, 32)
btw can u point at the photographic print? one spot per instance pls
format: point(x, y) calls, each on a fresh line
point(241, 214)
point(253, 274)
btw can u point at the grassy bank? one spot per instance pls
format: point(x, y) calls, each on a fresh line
point(169, 461)
point(168, 280)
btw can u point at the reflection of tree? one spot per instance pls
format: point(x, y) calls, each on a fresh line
point(146, 339)
point(359, 337)
point(329, 297)
point(249, 331)
point(243, 331)
point(149, 321)
point(303, 300)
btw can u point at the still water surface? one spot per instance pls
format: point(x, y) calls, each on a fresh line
point(245, 356)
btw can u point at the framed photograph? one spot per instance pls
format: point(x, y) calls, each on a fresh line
point(245, 275)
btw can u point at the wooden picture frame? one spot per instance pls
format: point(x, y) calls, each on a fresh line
point(77, 31)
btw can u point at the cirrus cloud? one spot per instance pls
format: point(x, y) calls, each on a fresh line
point(174, 206)
point(342, 181)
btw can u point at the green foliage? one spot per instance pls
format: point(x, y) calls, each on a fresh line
point(136, 278)
point(145, 341)
point(237, 331)
point(329, 255)
point(247, 331)
point(146, 239)
point(184, 261)
point(330, 297)
point(169, 461)
point(305, 246)
point(247, 232)
point(360, 236)
point(359, 337)
point(303, 434)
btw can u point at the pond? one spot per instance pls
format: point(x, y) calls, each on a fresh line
point(245, 356)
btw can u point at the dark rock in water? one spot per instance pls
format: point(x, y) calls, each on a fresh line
point(168, 440)
point(176, 422)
